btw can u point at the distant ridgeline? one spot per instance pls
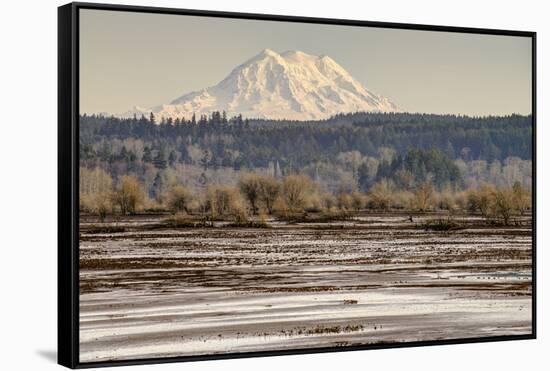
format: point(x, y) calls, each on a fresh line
point(369, 146)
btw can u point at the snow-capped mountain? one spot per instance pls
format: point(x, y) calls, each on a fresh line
point(291, 85)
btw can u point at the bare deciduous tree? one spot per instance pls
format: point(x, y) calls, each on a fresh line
point(502, 205)
point(480, 199)
point(102, 204)
point(522, 198)
point(225, 201)
point(295, 190)
point(250, 187)
point(270, 189)
point(129, 195)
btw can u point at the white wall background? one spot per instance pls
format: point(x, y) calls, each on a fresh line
point(28, 155)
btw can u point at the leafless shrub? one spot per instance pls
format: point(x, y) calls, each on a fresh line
point(461, 200)
point(314, 201)
point(345, 201)
point(522, 198)
point(402, 200)
point(329, 201)
point(423, 197)
point(359, 200)
point(295, 190)
point(270, 188)
point(102, 204)
point(446, 200)
point(502, 205)
point(480, 199)
point(499, 204)
point(178, 199)
point(250, 187)
point(226, 201)
point(381, 194)
point(129, 195)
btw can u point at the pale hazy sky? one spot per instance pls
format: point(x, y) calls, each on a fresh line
point(129, 59)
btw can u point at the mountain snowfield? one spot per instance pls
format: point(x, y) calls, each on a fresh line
point(292, 85)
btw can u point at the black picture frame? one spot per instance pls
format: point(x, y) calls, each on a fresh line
point(68, 180)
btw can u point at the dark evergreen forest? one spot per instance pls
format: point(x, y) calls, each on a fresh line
point(297, 144)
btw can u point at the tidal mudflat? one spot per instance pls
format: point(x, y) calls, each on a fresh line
point(148, 291)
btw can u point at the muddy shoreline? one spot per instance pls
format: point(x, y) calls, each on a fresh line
point(160, 292)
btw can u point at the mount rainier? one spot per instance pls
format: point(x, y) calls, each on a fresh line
point(292, 85)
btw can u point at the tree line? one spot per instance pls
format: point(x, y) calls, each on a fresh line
point(241, 143)
point(295, 194)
